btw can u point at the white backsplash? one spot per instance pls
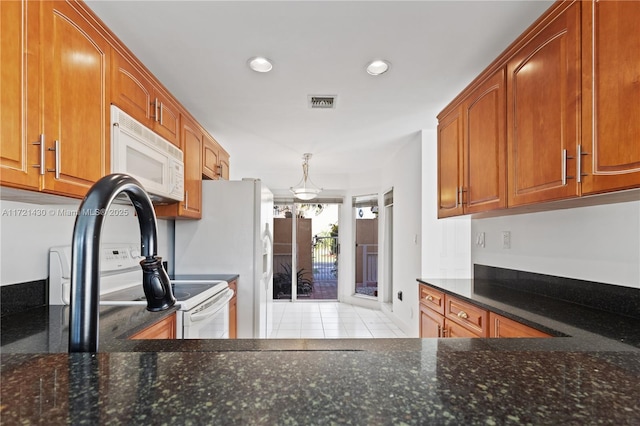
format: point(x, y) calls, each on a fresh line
point(27, 231)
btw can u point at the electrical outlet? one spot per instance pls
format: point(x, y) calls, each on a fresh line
point(480, 239)
point(399, 295)
point(506, 239)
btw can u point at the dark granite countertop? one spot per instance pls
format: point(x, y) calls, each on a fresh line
point(582, 378)
point(553, 316)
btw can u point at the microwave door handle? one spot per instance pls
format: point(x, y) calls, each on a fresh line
point(214, 308)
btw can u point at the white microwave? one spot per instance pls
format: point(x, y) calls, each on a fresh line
point(155, 162)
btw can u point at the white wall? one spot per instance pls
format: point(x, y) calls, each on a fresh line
point(25, 240)
point(446, 243)
point(403, 173)
point(596, 243)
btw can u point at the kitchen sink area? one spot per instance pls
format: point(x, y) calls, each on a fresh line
point(463, 247)
point(581, 375)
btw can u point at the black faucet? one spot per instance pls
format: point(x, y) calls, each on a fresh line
point(85, 258)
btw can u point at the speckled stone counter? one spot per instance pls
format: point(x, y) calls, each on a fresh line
point(579, 379)
point(400, 381)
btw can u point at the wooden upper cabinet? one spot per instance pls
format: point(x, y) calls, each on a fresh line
point(75, 100)
point(485, 146)
point(19, 56)
point(166, 117)
point(131, 90)
point(137, 95)
point(191, 206)
point(210, 157)
point(55, 98)
point(543, 114)
point(224, 164)
point(450, 179)
point(215, 160)
point(611, 96)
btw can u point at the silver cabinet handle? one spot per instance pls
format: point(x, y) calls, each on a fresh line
point(564, 167)
point(161, 121)
point(155, 110)
point(186, 200)
point(41, 165)
point(579, 166)
point(56, 148)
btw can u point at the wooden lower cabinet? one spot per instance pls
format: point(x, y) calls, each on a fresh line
point(463, 319)
point(163, 329)
point(505, 327)
point(470, 317)
point(233, 311)
point(431, 323)
point(453, 329)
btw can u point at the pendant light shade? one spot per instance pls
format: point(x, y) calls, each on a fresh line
point(305, 189)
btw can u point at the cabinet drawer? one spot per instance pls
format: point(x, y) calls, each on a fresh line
point(505, 327)
point(467, 315)
point(432, 298)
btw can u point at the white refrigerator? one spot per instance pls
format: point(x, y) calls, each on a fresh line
point(234, 236)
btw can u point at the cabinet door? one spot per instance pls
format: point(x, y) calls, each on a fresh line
point(131, 91)
point(75, 100)
point(611, 95)
point(543, 115)
point(191, 206)
point(233, 311)
point(19, 133)
point(485, 160)
point(431, 324)
point(210, 157)
point(456, 330)
point(163, 329)
point(450, 164)
point(166, 116)
point(224, 164)
point(192, 138)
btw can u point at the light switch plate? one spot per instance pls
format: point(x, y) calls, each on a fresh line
point(506, 239)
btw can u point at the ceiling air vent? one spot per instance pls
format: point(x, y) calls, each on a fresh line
point(322, 102)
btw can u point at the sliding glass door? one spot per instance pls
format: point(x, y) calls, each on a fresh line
point(305, 261)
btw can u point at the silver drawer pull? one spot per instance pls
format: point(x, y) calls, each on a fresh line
point(463, 315)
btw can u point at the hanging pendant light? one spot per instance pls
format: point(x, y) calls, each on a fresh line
point(305, 189)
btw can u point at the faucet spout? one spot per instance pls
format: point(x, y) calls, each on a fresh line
point(85, 258)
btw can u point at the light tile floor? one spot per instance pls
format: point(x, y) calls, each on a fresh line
point(330, 320)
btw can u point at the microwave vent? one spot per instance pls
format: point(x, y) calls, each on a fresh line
point(127, 123)
point(322, 102)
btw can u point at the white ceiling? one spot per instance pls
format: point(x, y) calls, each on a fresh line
point(199, 50)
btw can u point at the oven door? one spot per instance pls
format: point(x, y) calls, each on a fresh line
point(210, 319)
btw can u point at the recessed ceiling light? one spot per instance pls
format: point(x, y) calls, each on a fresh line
point(260, 64)
point(377, 67)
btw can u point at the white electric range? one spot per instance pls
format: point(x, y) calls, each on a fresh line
point(203, 305)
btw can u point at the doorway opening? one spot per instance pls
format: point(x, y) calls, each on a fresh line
point(305, 251)
point(365, 208)
point(387, 286)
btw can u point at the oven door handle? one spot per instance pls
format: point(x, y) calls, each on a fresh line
point(216, 305)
